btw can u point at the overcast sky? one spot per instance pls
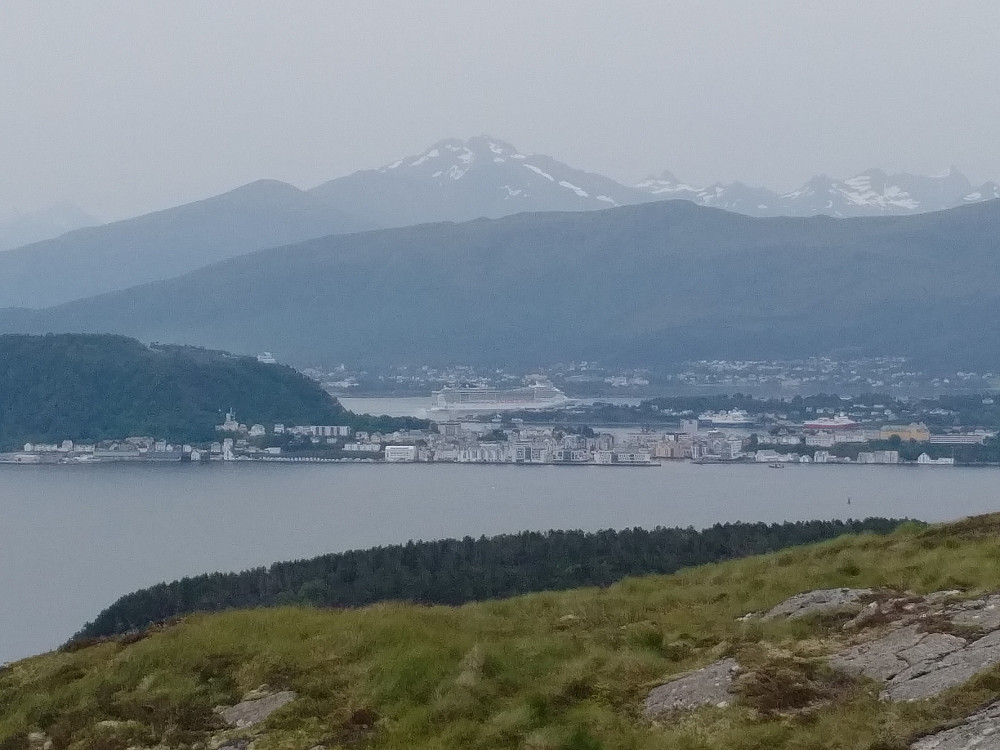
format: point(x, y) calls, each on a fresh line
point(124, 107)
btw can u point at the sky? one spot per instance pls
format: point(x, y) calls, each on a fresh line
point(126, 107)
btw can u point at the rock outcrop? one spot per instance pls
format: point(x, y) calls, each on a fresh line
point(709, 686)
point(823, 601)
point(915, 646)
point(981, 731)
point(254, 708)
point(915, 658)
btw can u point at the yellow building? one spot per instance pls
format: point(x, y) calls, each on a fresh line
point(913, 431)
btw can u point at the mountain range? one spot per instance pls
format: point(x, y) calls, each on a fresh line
point(646, 284)
point(164, 244)
point(453, 180)
point(871, 193)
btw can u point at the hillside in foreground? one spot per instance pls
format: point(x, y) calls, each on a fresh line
point(880, 665)
point(94, 387)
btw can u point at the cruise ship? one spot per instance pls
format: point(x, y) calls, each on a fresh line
point(731, 418)
point(473, 399)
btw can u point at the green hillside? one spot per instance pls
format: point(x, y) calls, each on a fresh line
point(456, 571)
point(92, 387)
point(566, 670)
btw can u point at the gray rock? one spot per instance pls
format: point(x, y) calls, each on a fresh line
point(980, 613)
point(709, 686)
point(939, 597)
point(886, 657)
point(869, 614)
point(978, 732)
point(930, 677)
point(915, 665)
point(249, 712)
point(820, 601)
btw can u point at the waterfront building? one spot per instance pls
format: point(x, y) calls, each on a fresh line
point(362, 447)
point(924, 460)
point(400, 453)
point(630, 457)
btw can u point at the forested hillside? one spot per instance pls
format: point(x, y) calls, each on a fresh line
point(457, 571)
point(650, 284)
point(92, 387)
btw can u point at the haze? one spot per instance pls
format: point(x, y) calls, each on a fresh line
point(123, 107)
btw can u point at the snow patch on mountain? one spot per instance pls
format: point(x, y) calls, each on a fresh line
point(432, 154)
point(570, 186)
point(870, 193)
point(540, 172)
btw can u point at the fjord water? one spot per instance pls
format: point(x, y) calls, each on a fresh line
point(74, 538)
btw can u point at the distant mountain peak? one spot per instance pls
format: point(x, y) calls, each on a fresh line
point(452, 157)
point(457, 180)
point(872, 192)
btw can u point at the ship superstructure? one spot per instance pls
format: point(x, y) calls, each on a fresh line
point(481, 398)
point(731, 418)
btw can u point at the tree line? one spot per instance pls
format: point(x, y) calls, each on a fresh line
point(455, 571)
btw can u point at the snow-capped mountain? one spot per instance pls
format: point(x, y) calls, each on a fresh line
point(458, 180)
point(871, 193)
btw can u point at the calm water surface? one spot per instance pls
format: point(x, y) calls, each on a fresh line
point(74, 538)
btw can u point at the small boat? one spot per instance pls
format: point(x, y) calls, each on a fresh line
point(776, 466)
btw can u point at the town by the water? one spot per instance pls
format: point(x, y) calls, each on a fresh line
point(479, 432)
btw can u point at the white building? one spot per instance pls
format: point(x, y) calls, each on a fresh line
point(969, 438)
point(821, 440)
point(768, 456)
point(400, 453)
point(878, 457)
point(230, 425)
point(850, 436)
point(924, 460)
point(733, 448)
point(363, 447)
point(631, 457)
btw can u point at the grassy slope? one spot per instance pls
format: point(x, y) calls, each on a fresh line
point(512, 673)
